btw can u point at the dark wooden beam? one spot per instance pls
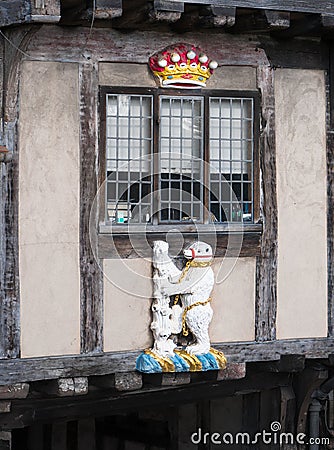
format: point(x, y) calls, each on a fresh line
point(222, 16)
point(307, 6)
point(327, 21)
point(63, 387)
point(277, 20)
point(5, 440)
point(108, 9)
point(14, 12)
point(307, 382)
point(45, 11)
point(266, 268)
point(165, 5)
point(17, 390)
point(9, 259)
point(121, 246)
point(294, 54)
point(330, 187)
point(47, 410)
point(35, 369)
point(91, 282)
point(164, 10)
point(287, 363)
point(301, 27)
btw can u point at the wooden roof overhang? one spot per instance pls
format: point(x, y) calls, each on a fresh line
point(288, 18)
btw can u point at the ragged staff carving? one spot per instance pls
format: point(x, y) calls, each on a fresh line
point(162, 324)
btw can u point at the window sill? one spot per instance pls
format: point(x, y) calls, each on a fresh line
point(122, 241)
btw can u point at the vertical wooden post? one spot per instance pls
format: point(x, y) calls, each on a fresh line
point(5, 440)
point(86, 434)
point(59, 436)
point(91, 275)
point(266, 268)
point(330, 188)
point(9, 258)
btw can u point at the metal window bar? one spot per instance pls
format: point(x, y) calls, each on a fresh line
point(129, 158)
point(238, 204)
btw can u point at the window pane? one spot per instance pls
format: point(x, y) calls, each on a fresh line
point(231, 159)
point(129, 162)
point(181, 158)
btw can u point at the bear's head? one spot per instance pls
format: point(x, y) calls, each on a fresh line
point(200, 251)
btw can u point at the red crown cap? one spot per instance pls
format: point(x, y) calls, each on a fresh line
point(182, 66)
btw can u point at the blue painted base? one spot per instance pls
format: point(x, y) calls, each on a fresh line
point(180, 361)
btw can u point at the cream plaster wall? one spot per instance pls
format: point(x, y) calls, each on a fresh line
point(233, 303)
point(138, 75)
point(127, 304)
point(49, 209)
point(301, 194)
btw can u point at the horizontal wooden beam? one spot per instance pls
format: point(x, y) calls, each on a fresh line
point(165, 5)
point(108, 9)
point(166, 11)
point(223, 16)
point(14, 11)
point(17, 390)
point(307, 6)
point(63, 387)
point(224, 245)
point(45, 11)
point(48, 368)
point(103, 403)
point(278, 20)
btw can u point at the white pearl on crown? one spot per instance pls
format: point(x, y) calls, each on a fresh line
point(191, 54)
point(162, 62)
point(203, 58)
point(213, 64)
point(175, 57)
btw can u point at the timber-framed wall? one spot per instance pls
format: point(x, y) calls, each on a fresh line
point(250, 53)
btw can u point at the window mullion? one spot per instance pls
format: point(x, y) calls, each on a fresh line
point(156, 160)
point(206, 157)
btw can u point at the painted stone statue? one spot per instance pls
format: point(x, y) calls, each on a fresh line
point(181, 307)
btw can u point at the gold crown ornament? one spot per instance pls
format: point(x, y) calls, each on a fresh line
point(182, 66)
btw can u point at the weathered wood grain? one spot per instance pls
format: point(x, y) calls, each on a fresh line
point(266, 268)
point(321, 6)
point(35, 369)
point(294, 53)
point(14, 11)
point(108, 9)
point(123, 246)
point(51, 43)
point(101, 404)
point(47, 11)
point(91, 284)
point(330, 187)
point(278, 20)
point(9, 263)
point(165, 5)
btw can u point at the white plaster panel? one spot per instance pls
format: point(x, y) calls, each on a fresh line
point(301, 195)
point(233, 77)
point(125, 74)
point(233, 302)
point(127, 304)
point(49, 208)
